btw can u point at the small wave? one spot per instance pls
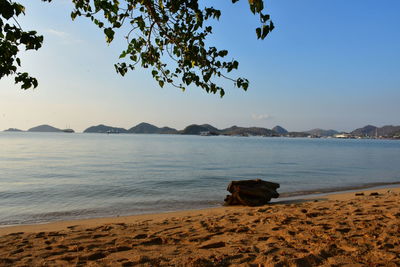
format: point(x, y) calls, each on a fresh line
point(335, 189)
point(117, 209)
point(286, 163)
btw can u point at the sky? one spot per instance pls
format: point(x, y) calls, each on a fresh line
point(327, 64)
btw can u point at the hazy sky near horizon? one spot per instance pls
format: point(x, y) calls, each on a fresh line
point(327, 64)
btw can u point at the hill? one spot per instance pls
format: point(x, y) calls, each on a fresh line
point(104, 129)
point(167, 130)
point(368, 130)
point(147, 128)
point(322, 132)
point(195, 129)
point(44, 128)
point(279, 130)
point(372, 131)
point(13, 130)
point(235, 130)
point(389, 130)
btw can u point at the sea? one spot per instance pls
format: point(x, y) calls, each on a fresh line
point(48, 177)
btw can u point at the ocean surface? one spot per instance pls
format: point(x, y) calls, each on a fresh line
point(57, 176)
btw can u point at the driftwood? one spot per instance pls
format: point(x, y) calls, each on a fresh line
point(251, 192)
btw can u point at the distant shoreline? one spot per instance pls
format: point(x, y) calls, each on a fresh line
point(244, 132)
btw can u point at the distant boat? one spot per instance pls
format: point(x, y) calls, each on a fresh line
point(68, 131)
point(112, 132)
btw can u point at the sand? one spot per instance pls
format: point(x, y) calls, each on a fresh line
point(334, 230)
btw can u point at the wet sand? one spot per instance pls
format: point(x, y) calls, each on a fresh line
point(333, 230)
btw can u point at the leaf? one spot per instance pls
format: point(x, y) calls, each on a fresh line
point(265, 31)
point(109, 34)
point(123, 54)
point(258, 32)
point(7, 10)
point(74, 15)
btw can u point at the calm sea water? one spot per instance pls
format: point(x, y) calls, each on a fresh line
point(56, 176)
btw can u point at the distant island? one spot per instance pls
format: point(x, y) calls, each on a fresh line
point(369, 131)
point(141, 128)
point(104, 129)
point(47, 128)
point(13, 130)
point(44, 128)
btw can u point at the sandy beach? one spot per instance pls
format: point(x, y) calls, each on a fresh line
point(349, 229)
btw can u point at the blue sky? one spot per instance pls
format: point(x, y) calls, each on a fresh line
point(328, 64)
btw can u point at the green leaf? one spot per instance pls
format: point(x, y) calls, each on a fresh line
point(109, 34)
point(265, 31)
point(123, 54)
point(258, 32)
point(7, 11)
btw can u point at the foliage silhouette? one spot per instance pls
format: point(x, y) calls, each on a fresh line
point(167, 36)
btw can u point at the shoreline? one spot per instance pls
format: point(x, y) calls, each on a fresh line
point(332, 229)
point(331, 195)
point(284, 197)
point(344, 189)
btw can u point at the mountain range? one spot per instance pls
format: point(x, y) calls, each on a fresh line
point(141, 128)
point(372, 131)
point(147, 128)
point(388, 131)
